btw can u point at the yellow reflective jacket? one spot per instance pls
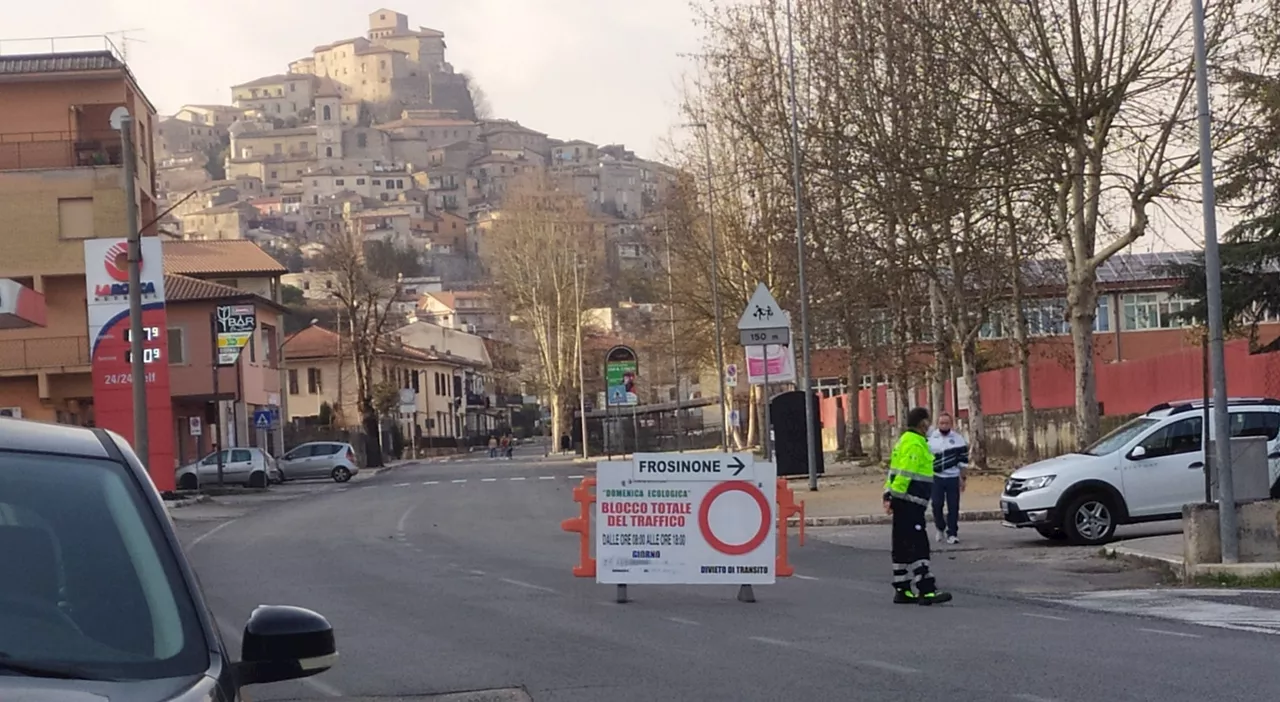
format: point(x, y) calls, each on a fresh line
point(910, 469)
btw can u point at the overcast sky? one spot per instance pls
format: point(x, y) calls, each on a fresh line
point(602, 70)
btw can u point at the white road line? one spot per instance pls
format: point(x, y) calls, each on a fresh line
point(488, 480)
point(521, 583)
point(211, 532)
point(431, 482)
point(575, 477)
point(682, 620)
point(774, 642)
point(1028, 697)
point(804, 577)
point(460, 480)
point(1044, 616)
point(476, 572)
point(403, 518)
point(1171, 633)
point(546, 477)
point(402, 484)
point(892, 667)
point(519, 478)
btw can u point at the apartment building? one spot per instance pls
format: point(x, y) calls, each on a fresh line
point(459, 400)
point(281, 96)
point(471, 311)
point(219, 116)
point(229, 221)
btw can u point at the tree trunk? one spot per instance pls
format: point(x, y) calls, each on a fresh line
point(852, 420)
point(372, 434)
point(977, 423)
point(1022, 345)
point(938, 384)
point(555, 398)
point(1083, 304)
point(877, 454)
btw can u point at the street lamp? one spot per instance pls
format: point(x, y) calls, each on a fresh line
point(809, 419)
point(122, 122)
point(715, 282)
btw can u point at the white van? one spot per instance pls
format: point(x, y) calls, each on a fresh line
point(1144, 471)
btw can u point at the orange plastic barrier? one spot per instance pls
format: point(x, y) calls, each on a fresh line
point(585, 496)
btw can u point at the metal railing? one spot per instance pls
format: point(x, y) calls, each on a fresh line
point(44, 353)
point(60, 45)
point(27, 150)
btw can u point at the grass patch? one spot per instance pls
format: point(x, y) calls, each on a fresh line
point(1269, 580)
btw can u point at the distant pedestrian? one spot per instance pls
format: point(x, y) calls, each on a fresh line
point(493, 447)
point(511, 446)
point(505, 444)
point(950, 459)
point(906, 497)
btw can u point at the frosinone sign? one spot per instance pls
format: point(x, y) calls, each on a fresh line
point(686, 519)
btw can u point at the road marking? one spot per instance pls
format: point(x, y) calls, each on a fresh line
point(892, 667)
point(1177, 606)
point(773, 642)
point(682, 620)
point(1028, 697)
point(1044, 616)
point(211, 532)
point(402, 484)
point(1171, 633)
point(805, 577)
point(546, 477)
point(476, 572)
point(460, 480)
point(431, 482)
point(520, 478)
point(404, 517)
point(521, 583)
point(575, 477)
point(488, 480)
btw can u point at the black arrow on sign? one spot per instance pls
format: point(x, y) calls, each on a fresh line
point(738, 465)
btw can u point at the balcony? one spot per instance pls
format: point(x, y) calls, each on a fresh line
point(43, 354)
point(32, 150)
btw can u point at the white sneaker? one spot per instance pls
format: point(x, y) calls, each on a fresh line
point(939, 536)
point(953, 540)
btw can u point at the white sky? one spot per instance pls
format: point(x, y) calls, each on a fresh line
point(602, 70)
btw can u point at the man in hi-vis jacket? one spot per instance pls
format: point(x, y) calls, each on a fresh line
point(907, 493)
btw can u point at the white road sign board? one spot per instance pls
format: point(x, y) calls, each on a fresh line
point(763, 322)
point(686, 519)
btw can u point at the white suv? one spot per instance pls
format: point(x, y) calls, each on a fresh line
point(1144, 471)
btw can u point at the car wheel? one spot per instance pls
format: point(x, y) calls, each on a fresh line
point(341, 474)
point(188, 482)
point(258, 480)
point(1051, 533)
point(1090, 520)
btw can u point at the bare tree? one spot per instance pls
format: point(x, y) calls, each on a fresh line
point(542, 241)
point(365, 300)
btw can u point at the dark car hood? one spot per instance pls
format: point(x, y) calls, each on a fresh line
point(15, 688)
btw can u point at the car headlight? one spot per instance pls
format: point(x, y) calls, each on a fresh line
point(1038, 482)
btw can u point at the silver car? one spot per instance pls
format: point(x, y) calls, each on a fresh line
point(240, 466)
point(320, 459)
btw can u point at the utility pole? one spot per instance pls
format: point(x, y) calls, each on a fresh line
point(137, 369)
point(715, 288)
point(805, 380)
point(582, 383)
point(1213, 295)
point(671, 314)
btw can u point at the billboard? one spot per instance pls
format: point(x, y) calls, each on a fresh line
point(106, 277)
point(235, 325)
point(621, 368)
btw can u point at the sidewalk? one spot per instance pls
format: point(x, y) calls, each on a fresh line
point(849, 494)
point(1167, 551)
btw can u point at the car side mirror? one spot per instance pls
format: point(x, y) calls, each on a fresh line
point(285, 643)
point(1138, 452)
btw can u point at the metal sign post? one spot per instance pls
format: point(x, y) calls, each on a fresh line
point(764, 324)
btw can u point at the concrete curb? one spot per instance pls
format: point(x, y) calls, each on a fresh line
point(876, 519)
point(1173, 564)
point(187, 501)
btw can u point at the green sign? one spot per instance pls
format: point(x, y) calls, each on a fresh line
point(621, 367)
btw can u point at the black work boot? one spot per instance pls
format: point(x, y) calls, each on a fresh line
point(932, 598)
point(904, 597)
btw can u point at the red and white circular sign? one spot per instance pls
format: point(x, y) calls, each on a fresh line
point(704, 517)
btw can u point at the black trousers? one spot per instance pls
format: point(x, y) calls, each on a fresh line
point(910, 548)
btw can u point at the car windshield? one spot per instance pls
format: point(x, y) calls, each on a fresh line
point(1124, 434)
point(96, 588)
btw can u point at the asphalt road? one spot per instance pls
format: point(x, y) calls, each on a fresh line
point(449, 577)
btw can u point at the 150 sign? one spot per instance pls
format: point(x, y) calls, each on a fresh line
point(779, 336)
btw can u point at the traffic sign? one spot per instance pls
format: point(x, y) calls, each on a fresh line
point(731, 375)
point(682, 518)
point(194, 426)
point(763, 312)
point(262, 419)
point(774, 336)
point(408, 401)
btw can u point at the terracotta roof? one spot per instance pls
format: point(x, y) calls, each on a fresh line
point(181, 288)
point(59, 63)
point(271, 80)
point(218, 257)
point(317, 342)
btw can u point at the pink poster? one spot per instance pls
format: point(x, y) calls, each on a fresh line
point(782, 364)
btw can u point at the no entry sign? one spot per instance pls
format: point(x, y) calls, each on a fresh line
point(686, 519)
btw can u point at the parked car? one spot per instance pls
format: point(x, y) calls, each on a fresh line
point(1144, 471)
point(105, 605)
point(249, 466)
point(320, 459)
